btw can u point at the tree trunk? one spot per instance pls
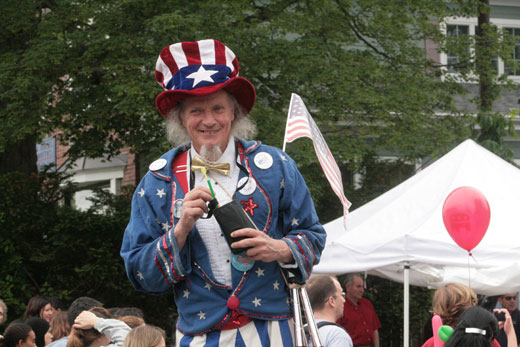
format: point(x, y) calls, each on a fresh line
point(484, 58)
point(20, 157)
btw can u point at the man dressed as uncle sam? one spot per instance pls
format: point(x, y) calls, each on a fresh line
point(173, 240)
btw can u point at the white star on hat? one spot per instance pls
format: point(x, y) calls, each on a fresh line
point(202, 75)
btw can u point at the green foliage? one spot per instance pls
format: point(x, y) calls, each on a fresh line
point(55, 250)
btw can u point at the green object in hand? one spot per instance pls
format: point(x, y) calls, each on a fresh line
point(445, 332)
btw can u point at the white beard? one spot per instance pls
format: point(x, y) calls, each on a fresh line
point(210, 153)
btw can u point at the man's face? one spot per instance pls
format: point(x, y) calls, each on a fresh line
point(355, 290)
point(339, 298)
point(208, 119)
point(508, 301)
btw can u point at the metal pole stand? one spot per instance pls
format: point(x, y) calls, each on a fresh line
point(298, 292)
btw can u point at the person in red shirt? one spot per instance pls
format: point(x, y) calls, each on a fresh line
point(359, 317)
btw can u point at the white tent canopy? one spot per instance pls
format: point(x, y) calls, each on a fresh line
point(404, 226)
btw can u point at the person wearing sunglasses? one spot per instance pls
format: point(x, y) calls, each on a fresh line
point(509, 301)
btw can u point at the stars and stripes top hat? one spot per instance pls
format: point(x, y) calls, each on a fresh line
point(199, 68)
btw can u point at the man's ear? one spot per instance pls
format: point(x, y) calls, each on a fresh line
point(20, 343)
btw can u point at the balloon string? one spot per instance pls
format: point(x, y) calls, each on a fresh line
point(469, 270)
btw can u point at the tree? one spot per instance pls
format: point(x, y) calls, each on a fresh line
point(86, 68)
point(358, 66)
point(477, 59)
point(55, 250)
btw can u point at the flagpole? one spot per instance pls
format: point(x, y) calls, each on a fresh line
point(287, 122)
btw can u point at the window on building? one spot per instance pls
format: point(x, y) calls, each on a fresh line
point(455, 30)
point(510, 70)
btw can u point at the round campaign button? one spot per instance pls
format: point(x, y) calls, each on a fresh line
point(249, 185)
point(241, 262)
point(263, 160)
point(158, 164)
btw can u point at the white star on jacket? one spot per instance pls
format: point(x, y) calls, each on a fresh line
point(202, 75)
point(257, 302)
point(165, 226)
point(140, 275)
point(141, 192)
point(160, 193)
point(202, 315)
point(259, 272)
point(276, 285)
point(294, 221)
point(207, 286)
point(186, 293)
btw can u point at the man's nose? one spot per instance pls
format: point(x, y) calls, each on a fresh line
point(208, 118)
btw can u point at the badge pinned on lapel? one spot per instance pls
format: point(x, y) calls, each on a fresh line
point(177, 208)
point(158, 164)
point(249, 185)
point(241, 262)
point(263, 160)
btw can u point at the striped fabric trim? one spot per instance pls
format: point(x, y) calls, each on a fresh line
point(168, 259)
point(299, 256)
point(263, 333)
point(162, 263)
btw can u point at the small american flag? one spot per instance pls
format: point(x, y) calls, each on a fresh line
point(301, 124)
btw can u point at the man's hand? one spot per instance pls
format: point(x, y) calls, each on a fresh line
point(193, 207)
point(263, 247)
point(85, 320)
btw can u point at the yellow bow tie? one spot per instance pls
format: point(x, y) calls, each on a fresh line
point(197, 163)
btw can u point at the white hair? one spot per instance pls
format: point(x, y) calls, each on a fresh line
point(241, 127)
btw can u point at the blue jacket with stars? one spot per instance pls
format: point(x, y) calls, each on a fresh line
point(154, 263)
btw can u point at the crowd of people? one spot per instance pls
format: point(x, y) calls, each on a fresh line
point(343, 318)
point(86, 323)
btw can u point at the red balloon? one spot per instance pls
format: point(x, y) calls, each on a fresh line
point(466, 216)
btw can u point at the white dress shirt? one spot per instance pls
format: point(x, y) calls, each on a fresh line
point(209, 230)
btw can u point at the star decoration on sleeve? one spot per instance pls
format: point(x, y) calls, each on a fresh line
point(140, 275)
point(160, 193)
point(249, 205)
point(259, 272)
point(202, 315)
point(284, 158)
point(207, 286)
point(282, 183)
point(257, 302)
point(186, 293)
point(165, 226)
point(276, 285)
point(202, 75)
point(141, 192)
point(294, 221)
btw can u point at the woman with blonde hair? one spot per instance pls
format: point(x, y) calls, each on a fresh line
point(145, 336)
point(94, 328)
point(449, 302)
point(58, 329)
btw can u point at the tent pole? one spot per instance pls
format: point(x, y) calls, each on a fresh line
point(406, 281)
